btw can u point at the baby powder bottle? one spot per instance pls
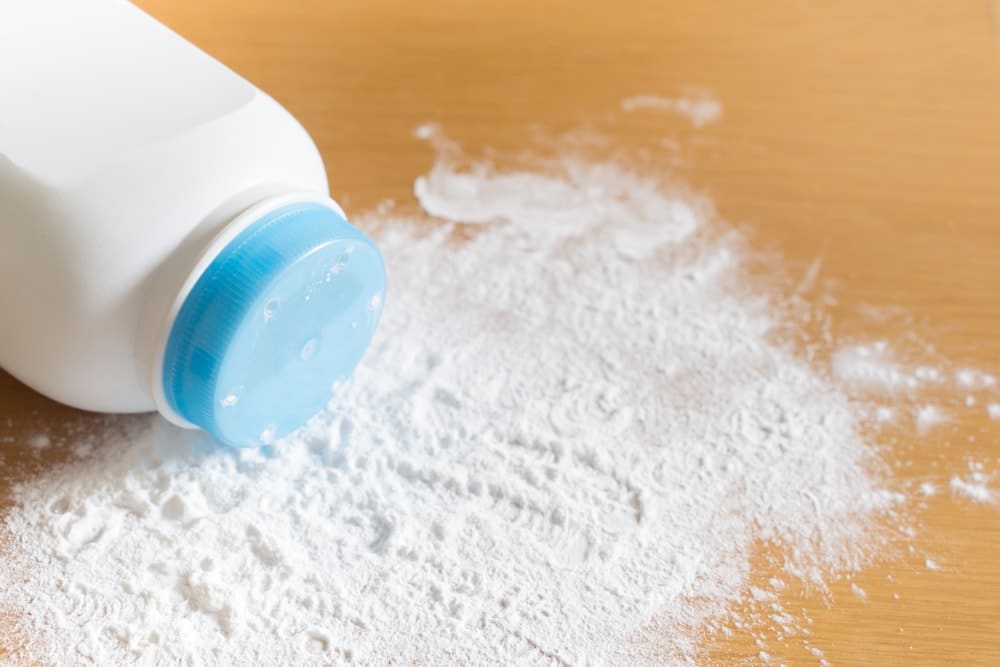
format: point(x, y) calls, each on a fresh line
point(167, 239)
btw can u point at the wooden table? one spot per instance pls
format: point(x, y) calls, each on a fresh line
point(864, 132)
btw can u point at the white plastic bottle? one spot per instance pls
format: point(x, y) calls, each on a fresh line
point(167, 239)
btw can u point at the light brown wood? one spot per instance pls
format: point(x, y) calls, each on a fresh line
point(864, 132)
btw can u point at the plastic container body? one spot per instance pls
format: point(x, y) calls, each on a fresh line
point(129, 160)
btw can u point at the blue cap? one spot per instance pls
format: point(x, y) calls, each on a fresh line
point(283, 313)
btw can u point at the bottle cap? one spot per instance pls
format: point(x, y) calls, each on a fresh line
point(278, 318)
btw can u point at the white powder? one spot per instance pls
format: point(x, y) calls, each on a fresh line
point(929, 416)
point(426, 131)
point(871, 367)
point(970, 378)
point(760, 595)
point(697, 105)
point(571, 431)
point(40, 442)
point(874, 369)
point(884, 415)
point(974, 487)
point(927, 373)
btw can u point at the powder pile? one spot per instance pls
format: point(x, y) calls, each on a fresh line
point(574, 426)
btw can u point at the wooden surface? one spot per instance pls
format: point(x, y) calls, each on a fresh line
point(863, 132)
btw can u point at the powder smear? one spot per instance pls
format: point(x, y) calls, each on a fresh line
point(574, 426)
point(697, 105)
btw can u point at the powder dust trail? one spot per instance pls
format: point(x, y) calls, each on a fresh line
point(699, 106)
point(574, 425)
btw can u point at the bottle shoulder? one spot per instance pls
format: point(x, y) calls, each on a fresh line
point(92, 81)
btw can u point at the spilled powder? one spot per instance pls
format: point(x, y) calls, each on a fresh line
point(974, 484)
point(574, 426)
point(698, 105)
point(875, 369)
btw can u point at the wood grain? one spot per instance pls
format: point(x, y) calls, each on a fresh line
point(865, 133)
